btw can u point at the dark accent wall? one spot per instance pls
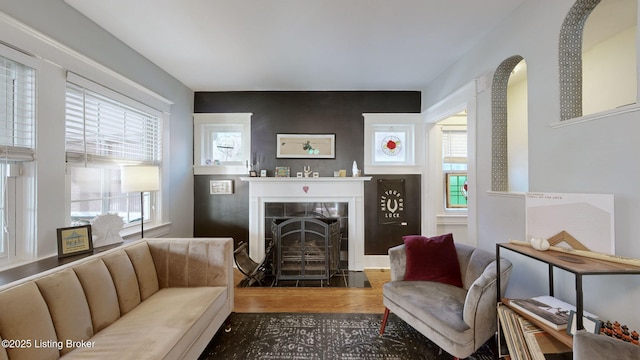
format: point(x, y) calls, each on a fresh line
point(335, 112)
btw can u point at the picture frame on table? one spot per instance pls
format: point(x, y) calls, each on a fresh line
point(74, 240)
point(589, 324)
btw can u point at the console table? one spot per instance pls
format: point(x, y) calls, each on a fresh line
point(578, 265)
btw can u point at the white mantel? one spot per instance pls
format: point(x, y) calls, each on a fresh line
point(323, 189)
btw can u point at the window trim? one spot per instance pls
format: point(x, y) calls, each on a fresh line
point(409, 123)
point(203, 125)
point(75, 159)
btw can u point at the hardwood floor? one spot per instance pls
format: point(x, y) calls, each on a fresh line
point(313, 300)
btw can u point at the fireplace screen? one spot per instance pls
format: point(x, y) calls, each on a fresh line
point(306, 248)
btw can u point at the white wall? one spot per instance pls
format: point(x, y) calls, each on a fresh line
point(517, 135)
point(598, 156)
point(28, 26)
point(609, 73)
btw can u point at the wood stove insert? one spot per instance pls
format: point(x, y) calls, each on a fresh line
point(306, 248)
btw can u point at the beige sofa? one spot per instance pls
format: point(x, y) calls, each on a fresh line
point(151, 299)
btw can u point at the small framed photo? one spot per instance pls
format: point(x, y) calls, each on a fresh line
point(263, 173)
point(253, 173)
point(299, 174)
point(282, 171)
point(590, 324)
point(74, 240)
point(316, 174)
point(221, 187)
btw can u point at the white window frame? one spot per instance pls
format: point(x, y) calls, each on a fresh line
point(204, 125)
point(410, 125)
point(18, 178)
point(152, 200)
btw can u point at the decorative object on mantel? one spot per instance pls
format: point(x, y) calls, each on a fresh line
point(282, 171)
point(354, 169)
point(307, 171)
point(106, 229)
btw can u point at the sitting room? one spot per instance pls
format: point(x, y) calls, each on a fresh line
point(314, 168)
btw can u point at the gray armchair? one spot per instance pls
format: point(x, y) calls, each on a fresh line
point(458, 320)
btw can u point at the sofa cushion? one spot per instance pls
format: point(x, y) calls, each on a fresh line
point(25, 316)
point(124, 278)
point(100, 293)
point(437, 305)
point(197, 262)
point(432, 259)
point(68, 307)
point(173, 327)
point(142, 262)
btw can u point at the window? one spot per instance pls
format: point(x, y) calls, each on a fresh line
point(456, 191)
point(454, 164)
point(17, 144)
point(222, 143)
point(105, 130)
point(390, 145)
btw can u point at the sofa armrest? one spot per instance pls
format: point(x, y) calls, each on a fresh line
point(480, 304)
point(398, 262)
point(193, 262)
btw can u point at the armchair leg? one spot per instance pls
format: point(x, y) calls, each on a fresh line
point(384, 320)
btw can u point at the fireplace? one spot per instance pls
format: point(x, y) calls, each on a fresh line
point(349, 191)
point(306, 248)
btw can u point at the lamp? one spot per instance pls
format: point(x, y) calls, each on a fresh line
point(140, 179)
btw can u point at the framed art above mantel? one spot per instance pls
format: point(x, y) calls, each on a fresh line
point(306, 146)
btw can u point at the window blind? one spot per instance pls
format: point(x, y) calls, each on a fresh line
point(454, 146)
point(17, 110)
point(100, 128)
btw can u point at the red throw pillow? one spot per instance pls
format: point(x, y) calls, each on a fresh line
point(432, 259)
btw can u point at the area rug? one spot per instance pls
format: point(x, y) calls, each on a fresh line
point(323, 337)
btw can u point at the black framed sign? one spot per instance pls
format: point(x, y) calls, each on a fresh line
point(391, 196)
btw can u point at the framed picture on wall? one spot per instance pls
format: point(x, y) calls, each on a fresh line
point(306, 146)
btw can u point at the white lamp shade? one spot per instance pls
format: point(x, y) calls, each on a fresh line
point(139, 178)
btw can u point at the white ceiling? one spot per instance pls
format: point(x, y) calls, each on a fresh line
point(231, 45)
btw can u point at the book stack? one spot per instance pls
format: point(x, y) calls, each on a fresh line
point(526, 341)
point(554, 313)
